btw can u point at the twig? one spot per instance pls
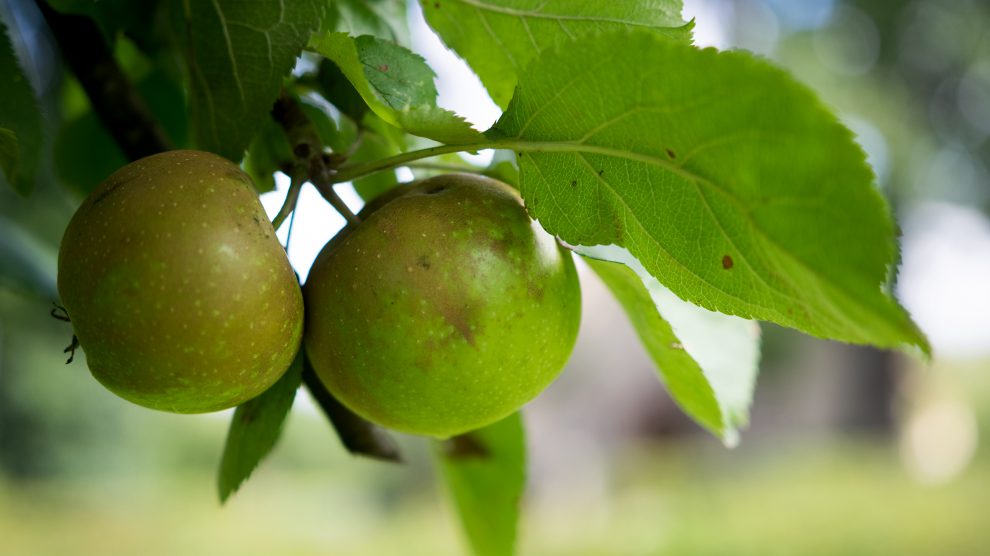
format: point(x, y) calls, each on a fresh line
point(291, 199)
point(357, 435)
point(119, 107)
point(309, 152)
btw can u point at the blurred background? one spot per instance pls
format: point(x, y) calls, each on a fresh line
point(850, 450)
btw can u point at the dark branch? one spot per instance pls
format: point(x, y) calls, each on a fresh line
point(357, 435)
point(114, 100)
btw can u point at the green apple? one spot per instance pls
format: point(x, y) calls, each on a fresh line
point(447, 309)
point(178, 290)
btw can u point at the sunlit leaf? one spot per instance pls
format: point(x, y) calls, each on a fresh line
point(722, 175)
point(708, 361)
point(396, 84)
point(485, 473)
point(385, 19)
point(499, 37)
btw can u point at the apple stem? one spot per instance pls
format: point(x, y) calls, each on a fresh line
point(349, 172)
point(311, 157)
point(291, 199)
point(324, 184)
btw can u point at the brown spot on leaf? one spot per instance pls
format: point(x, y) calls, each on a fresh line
point(466, 446)
point(383, 68)
point(727, 262)
point(423, 262)
point(573, 183)
point(671, 154)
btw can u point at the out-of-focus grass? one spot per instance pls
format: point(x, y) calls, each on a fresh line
point(677, 499)
point(113, 479)
point(851, 499)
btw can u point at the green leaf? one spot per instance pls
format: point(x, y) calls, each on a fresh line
point(385, 19)
point(337, 89)
point(255, 428)
point(498, 38)
point(374, 147)
point(266, 154)
point(237, 55)
point(8, 151)
point(324, 125)
point(396, 84)
point(21, 117)
point(85, 153)
point(503, 168)
point(485, 473)
point(726, 178)
point(111, 16)
point(270, 151)
point(708, 361)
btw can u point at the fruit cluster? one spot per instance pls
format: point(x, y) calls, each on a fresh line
point(445, 310)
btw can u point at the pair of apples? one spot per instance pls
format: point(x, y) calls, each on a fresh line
point(445, 310)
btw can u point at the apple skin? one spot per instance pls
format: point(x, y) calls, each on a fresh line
point(445, 310)
point(178, 290)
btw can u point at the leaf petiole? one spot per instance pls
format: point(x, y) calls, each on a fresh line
point(440, 167)
point(354, 171)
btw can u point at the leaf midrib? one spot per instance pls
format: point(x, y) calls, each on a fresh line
point(577, 148)
point(502, 10)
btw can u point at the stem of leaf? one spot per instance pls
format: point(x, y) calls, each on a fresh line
point(444, 167)
point(350, 172)
point(291, 199)
point(355, 171)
